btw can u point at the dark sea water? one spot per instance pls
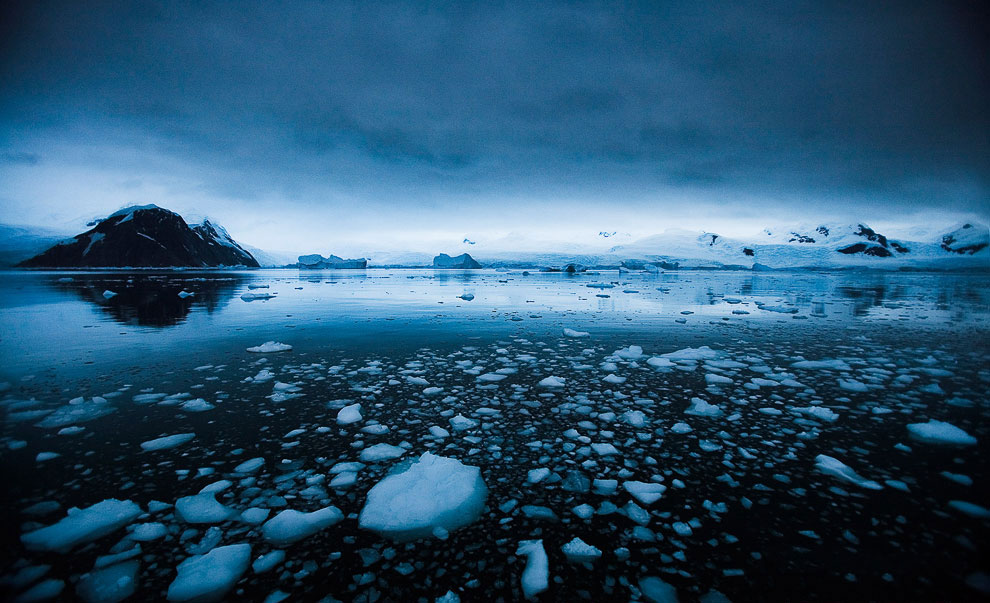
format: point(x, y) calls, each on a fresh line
point(747, 511)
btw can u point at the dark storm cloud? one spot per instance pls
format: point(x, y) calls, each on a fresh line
point(878, 101)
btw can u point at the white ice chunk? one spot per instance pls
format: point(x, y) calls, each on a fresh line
point(836, 468)
point(83, 525)
point(209, 577)
point(203, 508)
point(167, 442)
point(573, 333)
point(645, 492)
point(270, 346)
point(110, 584)
point(552, 381)
point(701, 408)
point(939, 432)
point(349, 414)
point(381, 452)
point(578, 551)
point(432, 492)
point(290, 525)
point(536, 577)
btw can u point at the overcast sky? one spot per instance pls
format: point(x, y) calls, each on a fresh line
point(314, 124)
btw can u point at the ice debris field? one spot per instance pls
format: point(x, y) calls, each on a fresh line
point(579, 464)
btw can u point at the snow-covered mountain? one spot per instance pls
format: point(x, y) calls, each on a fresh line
point(822, 246)
point(18, 243)
point(145, 236)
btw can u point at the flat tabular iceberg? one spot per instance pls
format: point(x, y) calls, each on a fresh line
point(83, 525)
point(208, 577)
point(433, 492)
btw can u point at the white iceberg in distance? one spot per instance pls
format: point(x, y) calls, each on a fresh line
point(270, 346)
point(432, 494)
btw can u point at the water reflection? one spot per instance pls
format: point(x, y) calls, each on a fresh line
point(153, 300)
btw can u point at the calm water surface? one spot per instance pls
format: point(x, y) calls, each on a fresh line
point(746, 512)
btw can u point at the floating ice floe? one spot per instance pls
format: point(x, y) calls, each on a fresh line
point(349, 414)
point(819, 412)
point(573, 333)
point(381, 452)
point(203, 508)
point(701, 408)
point(578, 551)
point(209, 577)
point(551, 381)
point(536, 577)
point(657, 591)
point(250, 297)
point(291, 526)
point(431, 495)
point(969, 509)
point(645, 492)
point(83, 525)
point(78, 410)
point(940, 432)
point(829, 364)
point(688, 354)
point(270, 346)
point(250, 465)
point(836, 468)
point(113, 583)
point(164, 443)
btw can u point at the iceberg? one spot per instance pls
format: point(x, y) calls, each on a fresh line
point(463, 261)
point(431, 494)
point(315, 261)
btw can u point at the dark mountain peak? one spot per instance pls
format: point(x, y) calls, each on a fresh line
point(145, 236)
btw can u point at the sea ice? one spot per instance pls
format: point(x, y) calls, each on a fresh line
point(167, 442)
point(939, 432)
point(578, 551)
point(203, 508)
point(109, 584)
point(573, 333)
point(551, 381)
point(349, 414)
point(701, 408)
point(83, 525)
point(381, 452)
point(290, 525)
point(209, 577)
point(536, 577)
point(270, 346)
point(645, 492)
point(431, 492)
point(836, 468)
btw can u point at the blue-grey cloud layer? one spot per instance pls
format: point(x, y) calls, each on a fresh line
point(852, 103)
